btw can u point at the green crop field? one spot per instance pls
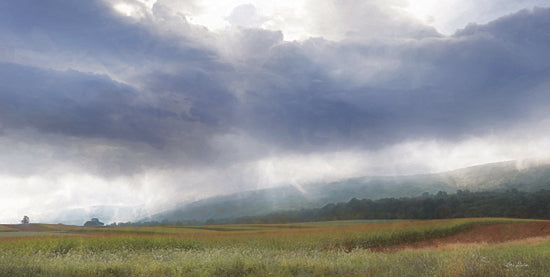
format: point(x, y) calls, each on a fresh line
point(350, 248)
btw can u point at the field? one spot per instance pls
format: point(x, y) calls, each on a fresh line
point(459, 247)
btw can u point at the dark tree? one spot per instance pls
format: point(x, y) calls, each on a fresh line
point(25, 220)
point(94, 222)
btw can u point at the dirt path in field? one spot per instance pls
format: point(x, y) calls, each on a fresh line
point(487, 234)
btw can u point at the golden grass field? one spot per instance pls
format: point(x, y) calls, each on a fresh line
point(455, 247)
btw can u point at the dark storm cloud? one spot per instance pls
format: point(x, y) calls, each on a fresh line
point(485, 77)
point(294, 96)
point(525, 33)
point(75, 33)
point(481, 80)
point(88, 105)
point(87, 27)
point(76, 104)
point(294, 102)
point(95, 109)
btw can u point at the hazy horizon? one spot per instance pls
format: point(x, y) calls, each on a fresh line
point(144, 104)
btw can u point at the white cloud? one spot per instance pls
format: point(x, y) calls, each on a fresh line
point(335, 20)
point(449, 15)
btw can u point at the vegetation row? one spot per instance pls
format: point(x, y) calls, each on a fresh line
point(462, 204)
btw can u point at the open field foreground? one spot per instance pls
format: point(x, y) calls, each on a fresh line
point(459, 247)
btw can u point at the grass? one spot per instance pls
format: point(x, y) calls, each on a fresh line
point(316, 249)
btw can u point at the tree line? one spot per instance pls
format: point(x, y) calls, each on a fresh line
point(510, 203)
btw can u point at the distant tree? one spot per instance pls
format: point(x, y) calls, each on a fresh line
point(25, 220)
point(94, 222)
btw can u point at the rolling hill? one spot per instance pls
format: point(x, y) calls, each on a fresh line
point(525, 176)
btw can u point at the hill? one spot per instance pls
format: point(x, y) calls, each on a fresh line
point(463, 204)
point(530, 177)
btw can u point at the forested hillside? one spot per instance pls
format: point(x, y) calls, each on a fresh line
point(524, 176)
point(463, 203)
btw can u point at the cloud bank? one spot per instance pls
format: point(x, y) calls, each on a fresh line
point(134, 104)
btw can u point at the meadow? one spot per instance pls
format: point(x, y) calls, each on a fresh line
point(456, 247)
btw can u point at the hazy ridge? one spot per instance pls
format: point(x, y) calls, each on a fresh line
point(530, 176)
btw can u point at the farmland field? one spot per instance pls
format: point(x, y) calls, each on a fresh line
point(458, 247)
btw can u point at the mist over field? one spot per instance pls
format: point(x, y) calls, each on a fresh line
point(122, 109)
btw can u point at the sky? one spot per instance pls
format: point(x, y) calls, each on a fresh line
point(133, 106)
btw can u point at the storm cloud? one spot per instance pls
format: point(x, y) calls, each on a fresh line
point(147, 102)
